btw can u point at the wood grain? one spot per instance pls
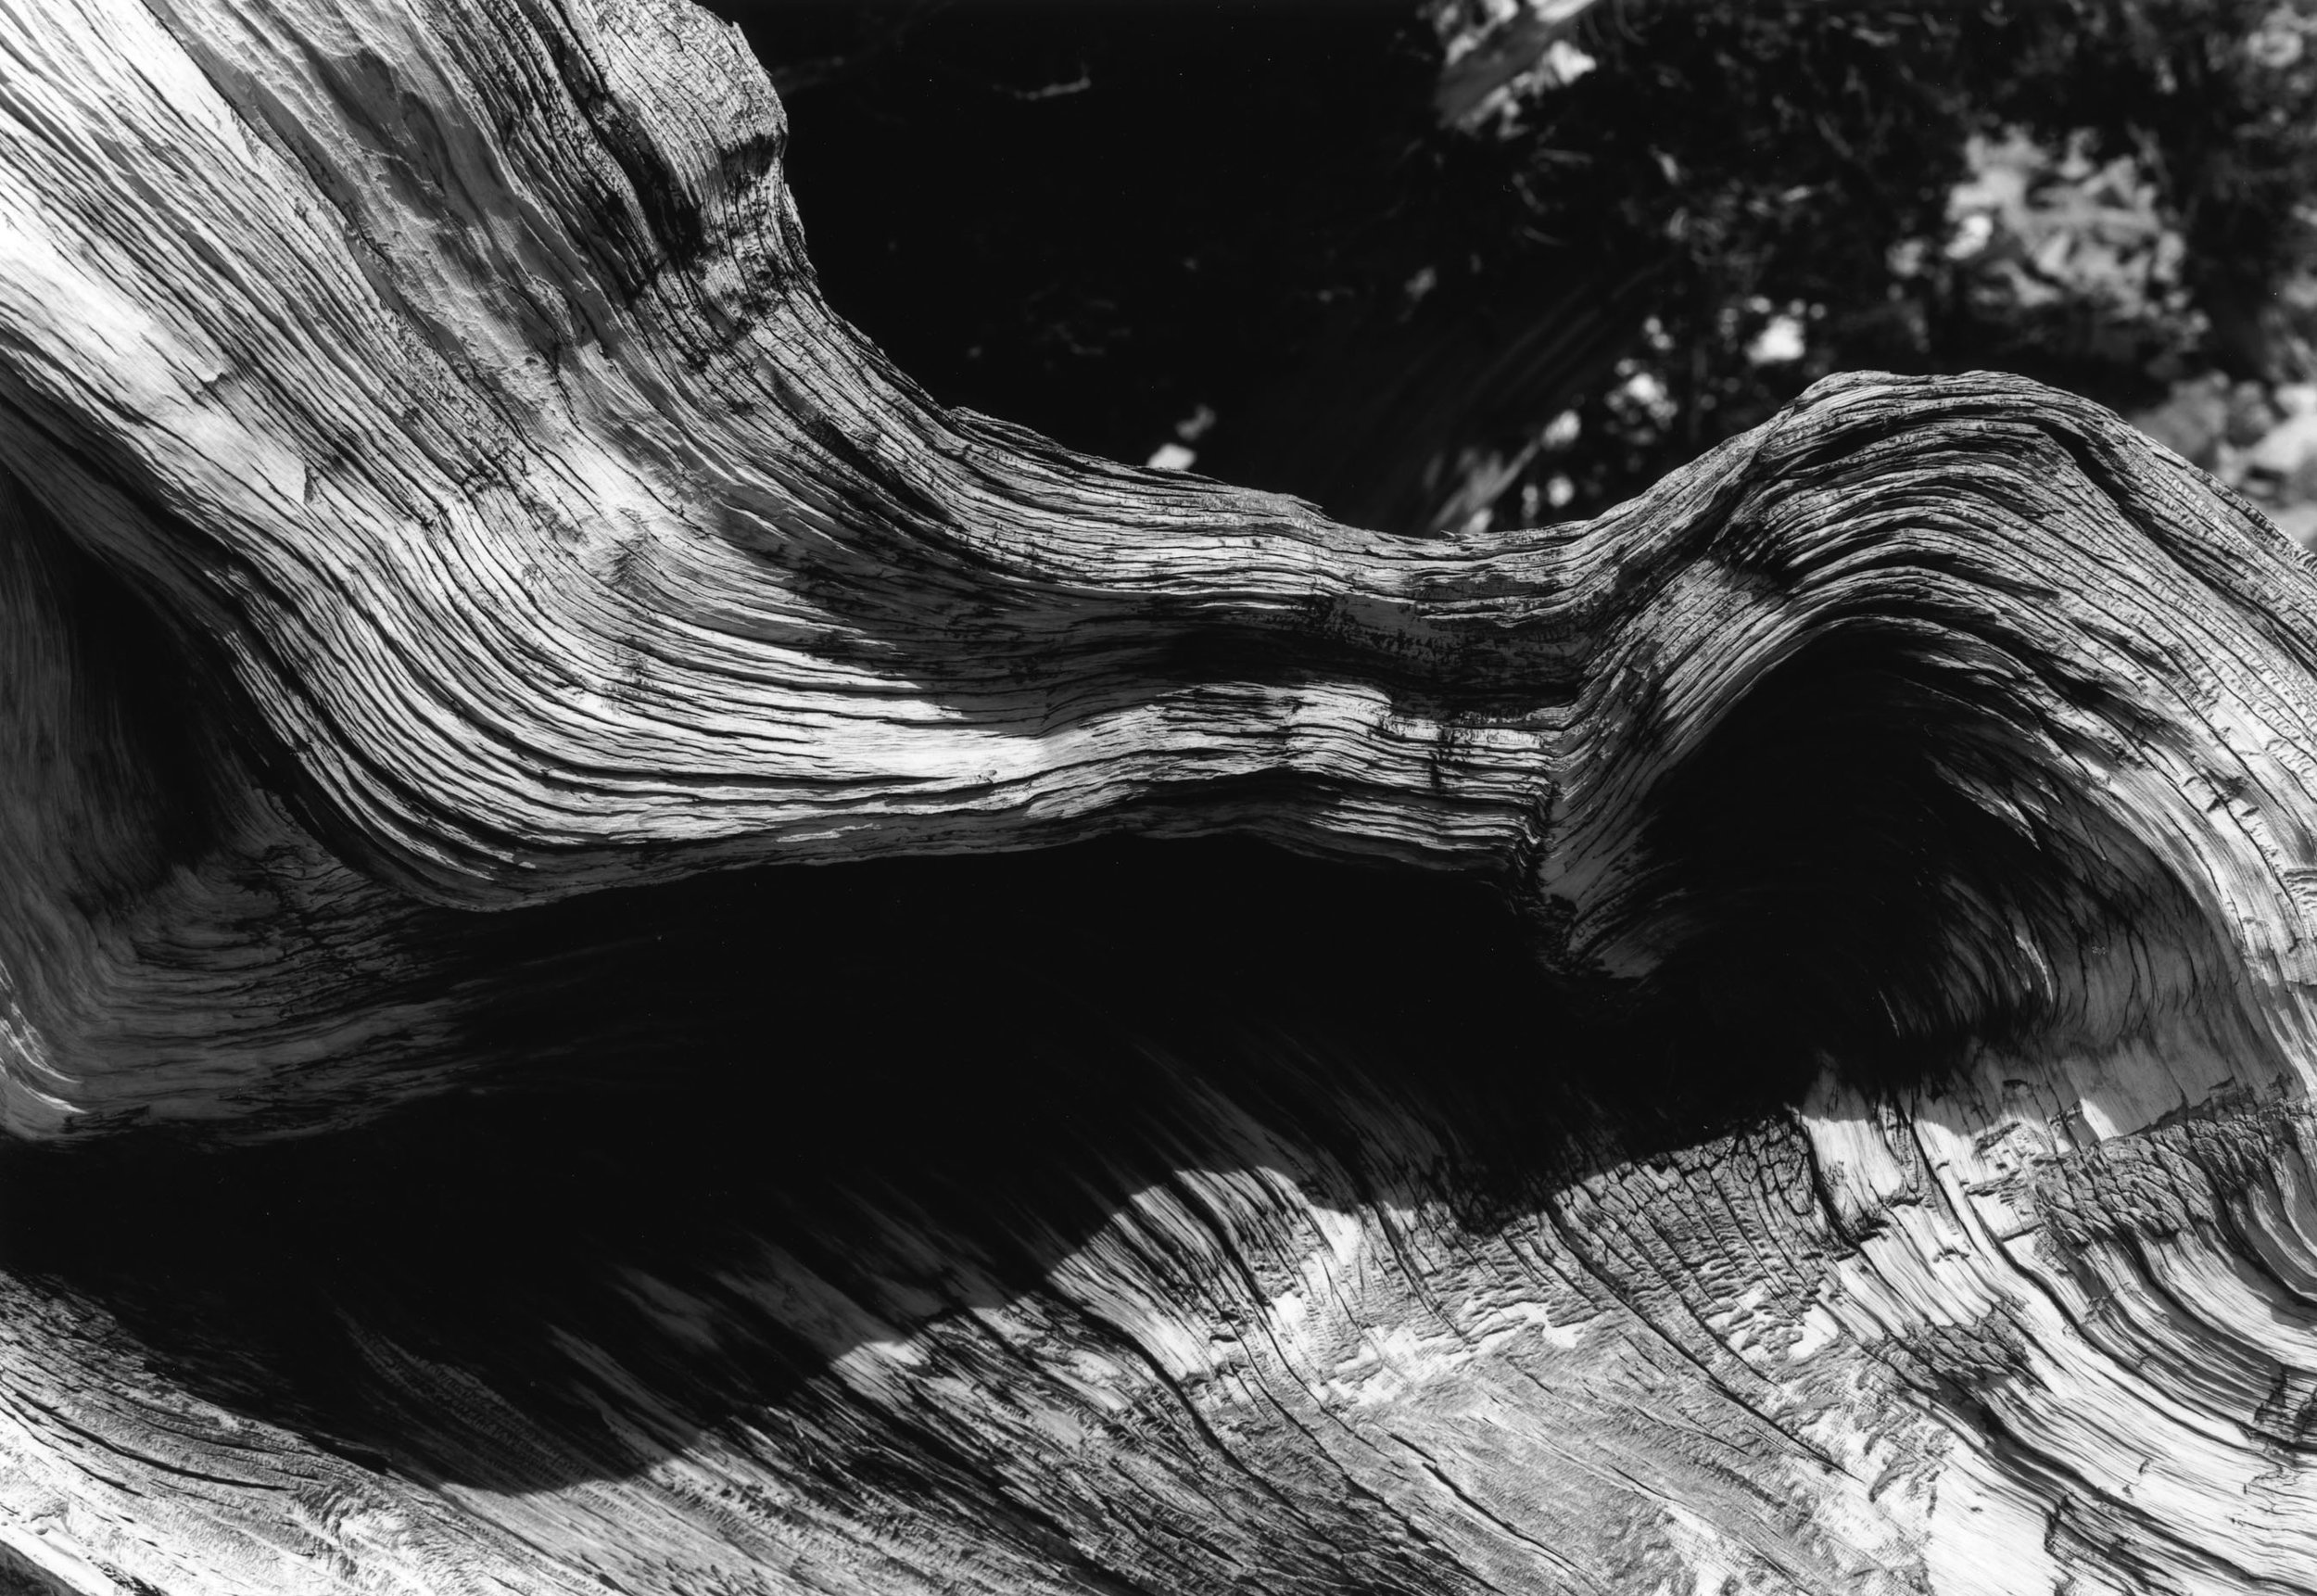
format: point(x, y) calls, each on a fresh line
point(1831, 1118)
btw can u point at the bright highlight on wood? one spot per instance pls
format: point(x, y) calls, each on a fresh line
point(437, 492)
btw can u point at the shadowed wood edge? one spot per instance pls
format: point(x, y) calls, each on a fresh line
point(517, 523)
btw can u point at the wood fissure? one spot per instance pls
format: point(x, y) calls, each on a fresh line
point(1833, 1117)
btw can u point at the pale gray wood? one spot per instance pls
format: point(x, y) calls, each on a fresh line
point(452, 380)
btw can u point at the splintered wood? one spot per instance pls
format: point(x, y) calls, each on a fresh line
point(437, 496)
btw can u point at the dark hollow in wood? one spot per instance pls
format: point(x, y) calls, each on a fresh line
point(632, 956)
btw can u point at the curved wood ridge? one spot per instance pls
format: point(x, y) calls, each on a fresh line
point(441, 497)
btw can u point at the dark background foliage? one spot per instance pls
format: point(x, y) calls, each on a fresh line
point(1442, 261)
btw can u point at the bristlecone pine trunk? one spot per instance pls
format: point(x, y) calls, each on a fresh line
point(1773, 1056)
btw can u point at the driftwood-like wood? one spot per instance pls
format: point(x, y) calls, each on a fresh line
point(454, 566)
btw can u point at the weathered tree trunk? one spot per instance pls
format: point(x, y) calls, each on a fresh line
point(454, 568)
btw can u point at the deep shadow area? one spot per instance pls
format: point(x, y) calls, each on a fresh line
point(1883, 855)
point(1002, 1046)
point(1093, 219)
point(1232, 226)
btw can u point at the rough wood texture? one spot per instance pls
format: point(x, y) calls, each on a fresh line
point(446, 525)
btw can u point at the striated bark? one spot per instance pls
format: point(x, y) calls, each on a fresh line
point(1833, 1117)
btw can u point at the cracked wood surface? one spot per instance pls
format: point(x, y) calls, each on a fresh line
point(455, 568)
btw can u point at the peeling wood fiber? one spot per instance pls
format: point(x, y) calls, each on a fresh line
point(451, 559)
point(452, 381)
